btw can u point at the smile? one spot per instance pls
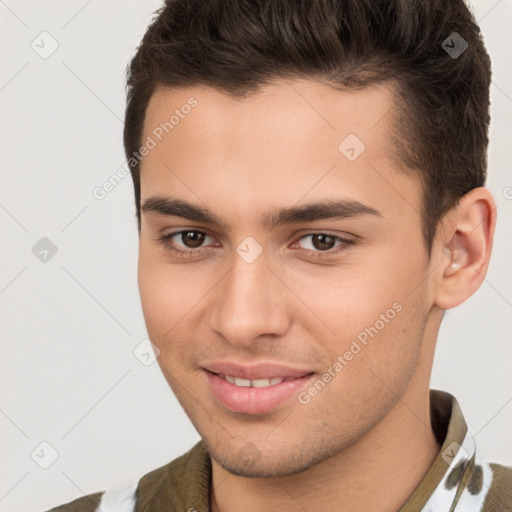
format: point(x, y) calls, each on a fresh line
point(254, 396)
point(255, 383)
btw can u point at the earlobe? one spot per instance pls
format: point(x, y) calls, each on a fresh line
point(466, 244)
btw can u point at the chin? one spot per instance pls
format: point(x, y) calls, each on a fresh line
point(249, 461)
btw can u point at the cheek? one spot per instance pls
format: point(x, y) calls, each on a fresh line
point(371, 362)
point(171, 297)
point(167, 292)
point(346, 300)
point(371, 313)
point(163, 296)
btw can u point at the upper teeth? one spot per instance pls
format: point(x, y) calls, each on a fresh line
point(255, 383)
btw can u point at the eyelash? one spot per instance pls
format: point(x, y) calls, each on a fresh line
point(345, 244)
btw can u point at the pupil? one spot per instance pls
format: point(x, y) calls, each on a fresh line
point(323, 243)
point(197, 238)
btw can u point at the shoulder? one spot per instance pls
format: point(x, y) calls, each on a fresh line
point(499, 496)
point(182, 481)
point(117, 499)
point(171, 483)
point(87, 503)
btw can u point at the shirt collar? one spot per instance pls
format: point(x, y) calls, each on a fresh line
point(452, 469)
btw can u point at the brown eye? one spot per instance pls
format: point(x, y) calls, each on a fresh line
point(186, 242)
point(323, 242)
point(320, 241)
point(323, 245)
point(192, 239)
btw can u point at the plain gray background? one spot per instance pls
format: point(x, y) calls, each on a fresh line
point(70, 325)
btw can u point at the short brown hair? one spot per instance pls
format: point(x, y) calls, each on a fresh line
point(237, 46)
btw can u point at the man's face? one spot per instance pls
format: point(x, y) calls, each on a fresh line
point(251, 296)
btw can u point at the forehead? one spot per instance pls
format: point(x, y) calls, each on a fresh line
point(293, 139)
point(296, 107)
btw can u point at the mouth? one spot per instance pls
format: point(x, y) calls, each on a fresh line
point(256, 395)
point(254, 383)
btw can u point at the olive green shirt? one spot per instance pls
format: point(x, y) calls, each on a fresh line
point(458, 479)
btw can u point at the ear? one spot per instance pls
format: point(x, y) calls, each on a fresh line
point(463, 248)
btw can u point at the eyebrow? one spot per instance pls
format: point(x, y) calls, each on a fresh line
point(310, 212)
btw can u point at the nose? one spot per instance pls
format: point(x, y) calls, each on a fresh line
point(249, 303)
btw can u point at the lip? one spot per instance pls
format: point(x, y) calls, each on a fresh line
point(255, 371)
point(251, 400)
